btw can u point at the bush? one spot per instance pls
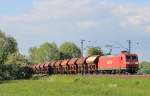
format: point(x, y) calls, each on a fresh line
point(13, 72)
point(145, 67)
point(25, 72)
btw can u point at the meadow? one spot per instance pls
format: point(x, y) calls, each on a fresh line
point(60, 85)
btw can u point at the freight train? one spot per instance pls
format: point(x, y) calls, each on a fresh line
point(123, 63)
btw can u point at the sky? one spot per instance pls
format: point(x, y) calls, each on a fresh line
point(103, 22)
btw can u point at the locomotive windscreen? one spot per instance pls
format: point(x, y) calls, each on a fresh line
point(131, 57)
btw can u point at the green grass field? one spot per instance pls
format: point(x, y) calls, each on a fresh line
point(78, 86)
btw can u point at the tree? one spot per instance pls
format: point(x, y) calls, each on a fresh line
point(94, 51)
point(33, 55)
point(11, 61)
point(55, 54)
point(49, 51)
point(46, 52)
point(8, 45)
point(18, 59)
point(69, 50)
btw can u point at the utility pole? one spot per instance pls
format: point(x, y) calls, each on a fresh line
point(82, 47)
point(129, 50)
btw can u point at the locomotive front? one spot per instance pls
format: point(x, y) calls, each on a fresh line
point(132, 63)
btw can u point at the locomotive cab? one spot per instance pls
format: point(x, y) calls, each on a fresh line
point(132, 63)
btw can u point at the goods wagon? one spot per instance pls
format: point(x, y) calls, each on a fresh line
point(42, 68)
point(65, 66)
point(81, 62)
point(91, 65)
point(58, 67)
point(38, 68)
point(34, 68)
point(73, 66)
point(48, 68)
point(52, 64)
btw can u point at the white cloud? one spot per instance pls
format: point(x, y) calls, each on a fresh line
point(84, 14)
point(120, 10)
point(58, 18)
point(147, 29)
point(58, 9)
point(140, 16)
point(87, 24)
point(74, 9)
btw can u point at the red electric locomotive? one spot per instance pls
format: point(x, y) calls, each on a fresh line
point(122, 63)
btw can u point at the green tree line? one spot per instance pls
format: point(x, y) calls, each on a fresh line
point(14, 65)
point(49, 51)
point(145, 67)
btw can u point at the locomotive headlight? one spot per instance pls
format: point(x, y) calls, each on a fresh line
point(128, 62)
point(136, 62)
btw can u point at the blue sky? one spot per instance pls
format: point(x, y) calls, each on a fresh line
point(14, 7)
point(103, 22)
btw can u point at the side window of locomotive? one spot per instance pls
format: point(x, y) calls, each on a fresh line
point(121, 58)
point(128, 58)
point(134, 58)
